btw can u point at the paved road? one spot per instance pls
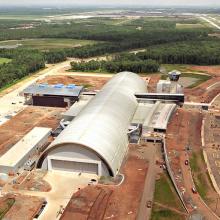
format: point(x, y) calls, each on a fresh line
point(208, 19)
point(148, 193)
point(188, 184)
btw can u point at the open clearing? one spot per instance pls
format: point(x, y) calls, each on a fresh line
point(13, 130)
point(205, 84)
point(4, 60)
point(184, 26)
point(24, 207)
point(45, 44)
point(91, 83)
point(163, 213)
point(211, 150)
point(167, 205)
point(166, 194)
point(190, 77)
point(184, 143)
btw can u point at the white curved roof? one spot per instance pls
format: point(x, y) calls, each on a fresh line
point(102, 125)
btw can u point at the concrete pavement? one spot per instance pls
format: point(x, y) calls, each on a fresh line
point(149, 185)
point(63, 185)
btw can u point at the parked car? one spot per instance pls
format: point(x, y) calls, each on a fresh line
point(29, 165)
point(149, 204)
point(194, 190)
point(41, 210)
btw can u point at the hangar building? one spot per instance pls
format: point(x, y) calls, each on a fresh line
point(96, 141)
point(58, 95)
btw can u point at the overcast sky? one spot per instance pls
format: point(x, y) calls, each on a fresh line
point(112, 2)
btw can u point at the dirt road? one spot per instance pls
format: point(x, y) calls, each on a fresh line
point(185, 130)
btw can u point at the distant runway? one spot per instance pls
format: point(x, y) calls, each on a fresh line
point(210, 22)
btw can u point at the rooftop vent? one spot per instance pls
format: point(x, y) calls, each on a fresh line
point(58, 86)
point(71, 86)
point(42, 85)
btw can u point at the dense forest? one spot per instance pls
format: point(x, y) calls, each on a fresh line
point(164, 43)
point(122, 42)
point(100, 29)
point(117, 64)
point(131, 42)
point(24, 62)
point(199, 53)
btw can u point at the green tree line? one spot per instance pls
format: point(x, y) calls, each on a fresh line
point(199, 53)
point(24, 62)
point(114, 66)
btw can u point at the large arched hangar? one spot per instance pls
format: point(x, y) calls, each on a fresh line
point(96, 140)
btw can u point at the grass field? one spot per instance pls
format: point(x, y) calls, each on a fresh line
point(191, 26)
point(201, 178)
point(4, 60)
point(21, 17)
point(166, 195)
point(45, 44)
point(200, 78)
point(165, 214)
point(180, 67)
point(5, 206)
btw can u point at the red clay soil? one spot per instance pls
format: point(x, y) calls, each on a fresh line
point(184, 130)
point(24, 208)
point(13, 130)
point(200, 93)
point(211, 70)
point(92, 83)
point(117, 202)
point(33, 181)
point(154, 79)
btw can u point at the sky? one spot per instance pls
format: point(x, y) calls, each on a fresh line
point(113, 2)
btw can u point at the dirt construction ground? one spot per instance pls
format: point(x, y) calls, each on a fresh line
point(207, 90)
point(24, 208)
point(33, 181)
point(13, 130)
point(212, 146)
point(111, 202)
point(92, 83)
point(183, 141)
